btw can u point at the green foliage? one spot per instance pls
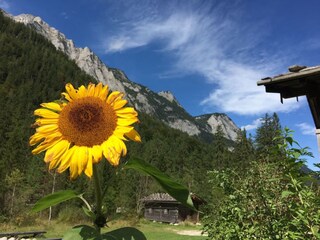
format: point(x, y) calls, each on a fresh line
point(273, 200)
point(175, 189)
point(266, 134)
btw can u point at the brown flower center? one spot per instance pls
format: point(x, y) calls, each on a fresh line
point(87, 121)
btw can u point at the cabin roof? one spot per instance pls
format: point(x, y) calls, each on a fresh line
point(299, 81)
point(165, 197)
point(159, 197)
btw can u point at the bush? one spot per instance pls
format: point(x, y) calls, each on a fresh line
point(273, 200)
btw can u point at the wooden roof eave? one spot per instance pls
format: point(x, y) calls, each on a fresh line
point(308, 73)
point(294, 84)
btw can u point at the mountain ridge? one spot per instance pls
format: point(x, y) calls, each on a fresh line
point(162, 105)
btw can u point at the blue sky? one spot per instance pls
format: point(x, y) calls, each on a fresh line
point(209, 54)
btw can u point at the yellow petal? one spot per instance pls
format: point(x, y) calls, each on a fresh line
point(119, 104)
point(67, 96)
point(126, 112)
point(35, 138)
point(126, 122)
point(119, 135)
point(46, 113)
point(133, 135)
point(40, 148)
point(103, 92)
point(66, 159)
point(57, 150)
point(113, 96)
point(73, 167)
point(52, 105)
point(97, 89)
point(82, 91)
point(110, 153)
point(123, 129)
point(121, 147)
point(71, 91)
point(47, 129)
point(96, 153)
point(88, 170)
point(91, 89)
point(44, 146)
point(83, 159)
point(44, 121)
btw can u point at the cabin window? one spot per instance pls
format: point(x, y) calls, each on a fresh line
point(150, 210)
point(165, 211)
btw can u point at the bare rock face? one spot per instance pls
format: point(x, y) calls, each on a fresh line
point(229, 128)
point(83, 57)
point(163, 105)
point(169, 96)
point(185, 126)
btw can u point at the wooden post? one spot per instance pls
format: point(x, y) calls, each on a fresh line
point(318, 138)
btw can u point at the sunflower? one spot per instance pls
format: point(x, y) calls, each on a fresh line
point(78, 131)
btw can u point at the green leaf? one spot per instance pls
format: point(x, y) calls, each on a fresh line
point(124, 233)
point(285, 194)
point(53, 199)
point(176, 190)
point(82, 232)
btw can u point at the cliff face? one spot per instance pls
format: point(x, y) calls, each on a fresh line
point(162, 105)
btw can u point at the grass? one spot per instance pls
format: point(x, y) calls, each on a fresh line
point(157, 231)
point(152, 231)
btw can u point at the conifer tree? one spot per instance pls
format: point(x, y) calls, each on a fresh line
point(243, 152)
point(270, 128)
point(221, 154)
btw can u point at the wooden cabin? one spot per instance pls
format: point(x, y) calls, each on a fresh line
point(161, 207)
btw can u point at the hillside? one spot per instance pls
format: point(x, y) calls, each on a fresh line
point(162, 105)
point(33, 71)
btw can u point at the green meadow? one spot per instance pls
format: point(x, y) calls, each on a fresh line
point(152, 230)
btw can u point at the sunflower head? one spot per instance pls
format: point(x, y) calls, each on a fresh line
point(89, 124)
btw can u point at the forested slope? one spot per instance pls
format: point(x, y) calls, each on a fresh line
point(32, 71)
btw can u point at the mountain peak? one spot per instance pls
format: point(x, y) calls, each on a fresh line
point(169, 96)
point(163, 106)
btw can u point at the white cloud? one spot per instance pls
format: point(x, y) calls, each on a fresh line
point(175, 31)
point(306, 129)
point(4, 5)
point(214, 43)
point(254, 125)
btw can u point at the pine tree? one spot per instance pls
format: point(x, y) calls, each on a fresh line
point(243, 153)
point(265, 134)
point(221, 153)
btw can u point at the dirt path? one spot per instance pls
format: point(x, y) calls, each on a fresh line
point(190, 232)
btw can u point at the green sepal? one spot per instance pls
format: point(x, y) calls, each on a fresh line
point(88, 212)
point(173, 188)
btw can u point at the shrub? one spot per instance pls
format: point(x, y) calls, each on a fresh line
point(272, 200)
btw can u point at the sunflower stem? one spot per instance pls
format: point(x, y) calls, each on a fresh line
point(98, 191)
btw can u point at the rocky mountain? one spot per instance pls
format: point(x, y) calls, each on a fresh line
point(229, 128)
point(162, 105)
